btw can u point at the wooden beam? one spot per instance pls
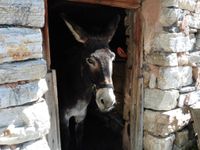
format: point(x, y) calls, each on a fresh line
point(46, 43)
point(128, 4)
point(195, 113)
point(136, 110)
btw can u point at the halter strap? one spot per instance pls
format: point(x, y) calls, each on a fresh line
point(99, 86)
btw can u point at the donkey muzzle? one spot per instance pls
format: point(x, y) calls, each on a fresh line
point(105, 98)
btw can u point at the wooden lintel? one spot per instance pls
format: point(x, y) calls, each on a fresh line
point(128, 4)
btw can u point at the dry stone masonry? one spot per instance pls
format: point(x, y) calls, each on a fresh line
point(24, 114)
point(171, 72)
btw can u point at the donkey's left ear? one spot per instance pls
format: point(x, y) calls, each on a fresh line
point(79, 34)
point(112, 27)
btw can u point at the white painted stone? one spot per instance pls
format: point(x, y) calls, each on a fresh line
point(173, 42)
point(183, 4)
point(22, 93)
point(19, 71)
point(160, 100)
point(194, 21)
point(164, 123)
point(20, 44)
point(194, 58)
point(39, 144)
point(189, 98)
point(197, 8)
point(162, 59)
point(174, 77)
point(158, 143)
point(20, 12)
point(182, 137)
point(24, 123)
point(170, 16)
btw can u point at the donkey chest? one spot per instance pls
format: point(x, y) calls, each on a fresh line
point(79, 109)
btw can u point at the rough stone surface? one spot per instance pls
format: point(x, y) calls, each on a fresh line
point(20, 12)
point(162, 59)
point(22, 93)
point(174, 77)
point(24, 123)
point(158, 143)
point(165, 123)
point(20, 44)
point(173, 42)
point(39, 144)
point(194, 21)
point(183, 4)
point(20, 71)
point(160, 100)
point(170, 16)
point(189, 98)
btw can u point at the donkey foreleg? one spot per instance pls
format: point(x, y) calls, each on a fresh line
point(79, 130)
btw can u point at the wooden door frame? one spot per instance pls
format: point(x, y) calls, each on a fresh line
point(134, 74)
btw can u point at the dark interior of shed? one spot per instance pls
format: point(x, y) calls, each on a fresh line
point(102, 131)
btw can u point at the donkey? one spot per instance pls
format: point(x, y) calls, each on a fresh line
point(88, 73)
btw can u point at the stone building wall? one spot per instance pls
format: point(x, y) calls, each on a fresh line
point(171, 72)
point(24, 116)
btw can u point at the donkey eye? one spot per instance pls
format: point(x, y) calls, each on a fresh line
point(90, 61)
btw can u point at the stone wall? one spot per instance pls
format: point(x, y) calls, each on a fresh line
point(24, 116)
point(171, 72)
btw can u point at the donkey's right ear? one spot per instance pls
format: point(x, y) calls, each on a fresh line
point(79, 34)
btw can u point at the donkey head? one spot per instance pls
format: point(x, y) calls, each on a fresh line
point(97, 61)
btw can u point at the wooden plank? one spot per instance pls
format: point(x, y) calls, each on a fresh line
point(114, 3)
point(23, 13)
point(53, 137)
point(22, 71)
point(195, 113)
point(136, 110)
point(18, 44)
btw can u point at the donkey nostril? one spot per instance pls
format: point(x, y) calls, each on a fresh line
point(102, 101)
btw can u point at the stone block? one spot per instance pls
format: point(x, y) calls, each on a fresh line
point(194, 58)
point(24, 123)
point(39, 144)
point(20, 44)
point(170, 16)
point(174, 77)
point(162, 59)
point(160, 100)
point(23, 13)
point(158, 143)
point(22, 71)
point(20, 94)
point(189, 98)
point(183, 4)
point(194, 21)
point(164, 123)
point(173, 42)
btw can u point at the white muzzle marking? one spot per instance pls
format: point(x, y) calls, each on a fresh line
point(105, 99)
